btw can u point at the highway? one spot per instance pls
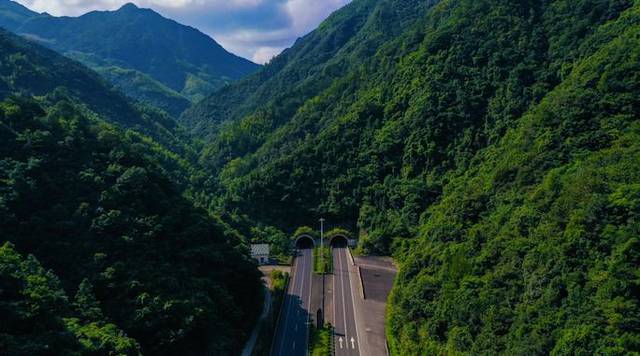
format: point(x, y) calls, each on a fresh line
point(292, 335)
point(346, 331)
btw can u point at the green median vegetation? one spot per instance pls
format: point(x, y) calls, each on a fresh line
point(322, 261)
point(320, 340)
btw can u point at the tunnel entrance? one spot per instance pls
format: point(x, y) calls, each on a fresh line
point(339, 241)
point(304, 242)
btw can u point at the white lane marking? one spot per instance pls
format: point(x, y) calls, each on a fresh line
point(288, 306)
point(309, 297)
point(353, 345)
point(335, 306)
point(344, 309)
point(294, 345)
point(355, 315)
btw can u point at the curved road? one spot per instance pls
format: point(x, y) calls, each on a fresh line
point(293, 334)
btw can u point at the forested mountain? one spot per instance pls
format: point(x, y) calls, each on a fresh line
point(12, 14)
point(149, 57)
point(490, 145)
point(339, 45)
point(103, 251)
point(29, 69)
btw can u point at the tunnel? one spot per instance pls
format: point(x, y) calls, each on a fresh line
point(339, 241)
point(304, 242)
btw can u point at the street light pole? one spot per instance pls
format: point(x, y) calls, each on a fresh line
point(321, 242)
point(322, 264)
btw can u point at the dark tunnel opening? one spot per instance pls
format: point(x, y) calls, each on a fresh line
point(304, 242)
point(339, 241)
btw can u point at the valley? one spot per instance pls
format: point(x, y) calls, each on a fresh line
point(474, 165)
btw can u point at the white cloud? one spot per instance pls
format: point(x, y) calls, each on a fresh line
point(265, 54)
point(255, 29)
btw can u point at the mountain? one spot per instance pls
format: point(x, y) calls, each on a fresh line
point(29, 69)
point(12, 14)
point(33, 70)
point(131, 40)
point(104, 248)
point(491, 146)
point(341, 43)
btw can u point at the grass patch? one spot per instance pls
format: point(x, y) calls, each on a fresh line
point(320, 341)
point(324, 265)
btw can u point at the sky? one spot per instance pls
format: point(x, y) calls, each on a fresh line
point(254, 29)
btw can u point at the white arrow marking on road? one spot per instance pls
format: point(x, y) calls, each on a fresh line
point(340, 339)
point(353, 343)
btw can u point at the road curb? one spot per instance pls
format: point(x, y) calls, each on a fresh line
point(362, 294)
point(353, 262)
point(361, 282)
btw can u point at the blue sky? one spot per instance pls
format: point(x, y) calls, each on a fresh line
point(254, 29)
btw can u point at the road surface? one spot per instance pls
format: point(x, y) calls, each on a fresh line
point(292, 336)
point(346, 331)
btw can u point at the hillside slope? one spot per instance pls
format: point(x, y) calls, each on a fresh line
point(12, 14)
point(105, 208)
point(489, 145)
point(180, 57)
point(341, 43)
point(534, 250)
point(29, 69)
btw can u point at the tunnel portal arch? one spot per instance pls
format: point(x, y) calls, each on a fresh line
point(305, 241)
point(339, 240)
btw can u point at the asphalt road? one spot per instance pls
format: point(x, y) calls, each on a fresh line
point(292, 336)
point(346, 332)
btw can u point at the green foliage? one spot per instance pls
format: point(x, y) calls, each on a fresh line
point(146, 260)
point(338, 231)
point(532, 250)
point(35, 308)
point(145, 89)
point(86, 304)
point(490, 145)
point(305, 230)
point(320, 341)
point(322, 260)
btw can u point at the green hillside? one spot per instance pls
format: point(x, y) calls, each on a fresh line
point(12, 14)
point(107, 212)
point(145, 89)
point(171, 52)
point(489, 145)
point(341, 43)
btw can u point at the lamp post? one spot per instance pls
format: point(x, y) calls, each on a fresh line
point(321, 322)
point(321, 243)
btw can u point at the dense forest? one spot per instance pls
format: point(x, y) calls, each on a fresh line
point(490, 146)
point(104, 248)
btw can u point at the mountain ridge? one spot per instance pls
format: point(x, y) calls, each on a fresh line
point(180, 57)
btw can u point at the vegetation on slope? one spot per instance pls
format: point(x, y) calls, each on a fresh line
point(162, 270)
point(145, 89)
point(109, 211)
point(172, 52)
point(278, 90)
point(39, 317)
point(490, 145)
